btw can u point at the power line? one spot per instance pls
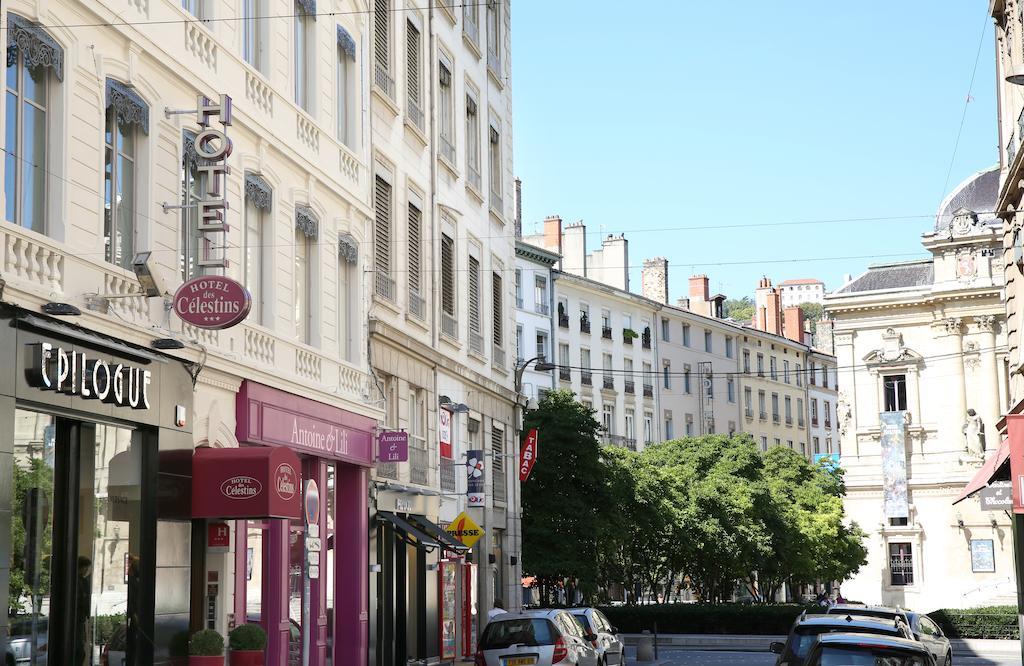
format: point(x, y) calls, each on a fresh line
point(967, 101)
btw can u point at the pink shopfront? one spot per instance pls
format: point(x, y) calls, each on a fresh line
point(304, 579)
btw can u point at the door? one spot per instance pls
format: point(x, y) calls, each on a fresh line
point(614, 648)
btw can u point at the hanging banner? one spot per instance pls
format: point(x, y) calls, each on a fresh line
point(528, 455)
point(444, 432)
point(894, 464)
point(475, 477)
point(1015, 436)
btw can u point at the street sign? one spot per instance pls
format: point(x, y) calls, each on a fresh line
point(998, 496)
point(528, 455)
point(465, 530)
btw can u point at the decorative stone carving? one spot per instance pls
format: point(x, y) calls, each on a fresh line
point(974, 433)
point(258, 190)
point(966, 266)
point(963, 222)
point(306, 222)
point(308, 6)
point(892, 349)
point(128, 105)
point(972, 355)
point(952, 325)
point(346, 43)
point(843, 413)
point(36, 45)
point(986, 323)
point(348, 248)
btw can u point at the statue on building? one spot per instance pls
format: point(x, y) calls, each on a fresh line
point(843, 413)
point(974, 432)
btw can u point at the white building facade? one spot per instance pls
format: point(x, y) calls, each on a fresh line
point(801, 290)
point(922, 374)
point(535, 318)
point(821, 379)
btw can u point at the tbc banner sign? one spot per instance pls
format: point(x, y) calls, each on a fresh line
point(528, 455)
point(475, 477)
point(894, 464)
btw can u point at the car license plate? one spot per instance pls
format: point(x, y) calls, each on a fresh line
point(519, 661)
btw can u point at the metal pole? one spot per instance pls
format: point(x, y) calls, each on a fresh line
point(1017, 521)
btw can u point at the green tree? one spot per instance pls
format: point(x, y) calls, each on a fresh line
point(812, 313)
point(562, 498)
point(740, 309)
point(36, 474)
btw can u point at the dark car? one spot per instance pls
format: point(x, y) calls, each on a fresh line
point(858, 649)
point(884, 612)
point(808, 628)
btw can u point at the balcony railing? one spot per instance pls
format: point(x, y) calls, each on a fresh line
point(586, 378)
point(563, 320)
point(493, 63)
point(447, 149)
point(476, 343)
point(497, 205)
point(415, 114)
point(471, 30)
point(763, 416)
point(606, 332)
point(564, 374)
point(584, 325)
point(497, 356)
point(620, 440)
point(473, 176)
point(417, 306)
point(775, 418)
point(648, 390)
point(647, 342)
point(384, 286)
point(609, 382)
point(814, 421)
point(749, 413)
point(383, 80)
point(387, 470)
point(627, 338)
point(448, 475)
point(419, 464)
point(541, 308)
point(519, 302)
point(629, 386)
point(449, 326)
point(789, 420)
point(800, 421)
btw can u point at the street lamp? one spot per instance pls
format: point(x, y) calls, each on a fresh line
point(542, 366)
point(1016, 75)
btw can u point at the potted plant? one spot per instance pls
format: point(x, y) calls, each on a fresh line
point(629, 334)
point(206, 648)
point(245, 645)
point(178, 649)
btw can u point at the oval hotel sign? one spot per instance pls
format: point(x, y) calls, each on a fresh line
point(212, 301)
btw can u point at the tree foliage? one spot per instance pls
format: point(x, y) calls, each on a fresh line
point(812, 313)
point(740, 309)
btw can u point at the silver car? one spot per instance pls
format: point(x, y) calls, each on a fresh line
point(610, 651)
point(535, 638)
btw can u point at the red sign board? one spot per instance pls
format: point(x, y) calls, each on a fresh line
point(212, 301)
point(444, 432)
point(218, 535)
point(245, 482)
point(1015, 435)
point(528, 455)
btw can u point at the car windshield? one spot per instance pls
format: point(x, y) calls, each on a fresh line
point(867, 656)
point(582, 619)
point(519, 631)
point(804, 637)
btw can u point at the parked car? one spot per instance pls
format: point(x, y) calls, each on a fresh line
point(807, 628)
point(857, 649)
point(535, 638)
point(19, 645)
point(610, 650)
point(925, 629)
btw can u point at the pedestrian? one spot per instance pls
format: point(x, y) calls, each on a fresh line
point(499, 608)
point(822, 599)
point(839, 597)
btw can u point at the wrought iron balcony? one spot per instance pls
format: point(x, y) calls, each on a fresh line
point(447, 149)
point(627, 337)
point(417, 306)
point(764, 416)
point(586, 378)
point(384, 286)
point(646, 341)
point(564, 373)
point(609, 382)
point(473, 176)
point(415, 114)
point(419, 465)
point(383, 80)
point(563, 320)
point(629, 386)
point(584, 325)
point(606, 332)
point(648, 390)
point(541, 308)
point(449, 326)
point(497, 356)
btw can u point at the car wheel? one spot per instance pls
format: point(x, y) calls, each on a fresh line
point(949, 659)
point(9, 660)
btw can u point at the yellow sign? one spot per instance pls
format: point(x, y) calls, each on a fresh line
point(465, 530)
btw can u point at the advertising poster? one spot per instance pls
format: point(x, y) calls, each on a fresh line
point(475, 477)
point(894, 465)
point(444, 432)
point(447, 578)
point(983, 556)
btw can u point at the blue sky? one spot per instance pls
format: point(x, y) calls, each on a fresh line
point(709, 114)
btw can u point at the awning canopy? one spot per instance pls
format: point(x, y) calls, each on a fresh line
point(246, 482)
point(989, 472)
point(439, 535)
point(409, 530)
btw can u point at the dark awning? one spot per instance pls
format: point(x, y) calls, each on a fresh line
point(988, 472)
point(440, 535)
point(402, 525)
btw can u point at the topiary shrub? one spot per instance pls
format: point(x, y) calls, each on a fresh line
point(250, 637)
point(206, 643)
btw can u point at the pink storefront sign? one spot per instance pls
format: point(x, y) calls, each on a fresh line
point(394, 446)
point(273, 417)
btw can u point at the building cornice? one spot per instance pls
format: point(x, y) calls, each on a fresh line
point(536, 254)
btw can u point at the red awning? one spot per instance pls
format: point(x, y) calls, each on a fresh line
point(987, 472)
point(246, 482)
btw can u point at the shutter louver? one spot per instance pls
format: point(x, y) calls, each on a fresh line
point(474, 295)
point(496, 299)
point(498, 449)
point(448, 275)
point(415, 217)
point(413, 63)
point(382, 226)
point(381, 33)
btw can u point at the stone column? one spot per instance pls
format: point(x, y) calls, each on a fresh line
point(988, 386)
point(950, 381)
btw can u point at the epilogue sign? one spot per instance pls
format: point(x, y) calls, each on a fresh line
point(74, 373)
point(212, 301)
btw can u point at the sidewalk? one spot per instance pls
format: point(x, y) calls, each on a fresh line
point(747, 643)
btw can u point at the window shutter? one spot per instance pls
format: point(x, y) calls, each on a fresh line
point(412, 45)
point(474, 295)
point(496, 299)
point(381, 33)
point(382, 226)
point(448, 274)
point(415, 216)
point(498, 449)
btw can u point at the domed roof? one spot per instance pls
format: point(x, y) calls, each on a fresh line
point(978, 195)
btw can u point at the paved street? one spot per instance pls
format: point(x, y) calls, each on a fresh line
point(669, 657)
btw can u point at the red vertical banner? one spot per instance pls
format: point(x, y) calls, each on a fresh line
point(1015, 435)
point(444, 432)
point(528, 455)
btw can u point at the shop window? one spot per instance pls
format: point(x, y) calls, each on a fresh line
point(901, 564)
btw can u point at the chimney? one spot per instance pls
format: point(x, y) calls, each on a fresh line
point(574, 248)
point(794, 324)
point(654, 279)
point(614, 268)
point(519, 208)
point(553, 233)
point(773, 313)
point(699, 288)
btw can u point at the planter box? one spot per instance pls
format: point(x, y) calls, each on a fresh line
point(206, 661)
point(246, 658)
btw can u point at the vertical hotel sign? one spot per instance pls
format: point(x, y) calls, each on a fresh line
point(894, 464)
point(213, 146)
point(1015, 435)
